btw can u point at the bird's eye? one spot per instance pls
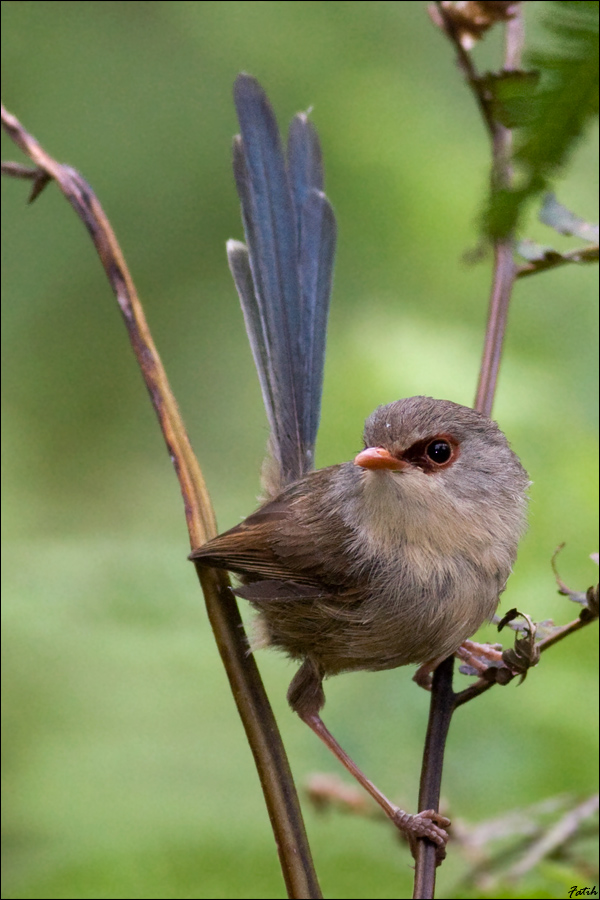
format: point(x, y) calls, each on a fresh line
point(439, 452)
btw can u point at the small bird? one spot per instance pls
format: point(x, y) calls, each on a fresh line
point(396, 557)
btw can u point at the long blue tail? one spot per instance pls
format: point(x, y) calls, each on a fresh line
point(284, 271)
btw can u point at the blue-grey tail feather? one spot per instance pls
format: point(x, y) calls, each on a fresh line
point(305, 161)
point(284, 277)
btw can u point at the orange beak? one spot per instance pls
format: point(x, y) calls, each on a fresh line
point(378, 458)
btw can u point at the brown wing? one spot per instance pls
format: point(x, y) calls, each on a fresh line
point(248, 549)
point(297, 537)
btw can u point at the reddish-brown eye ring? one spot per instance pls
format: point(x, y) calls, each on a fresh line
point(439, 451)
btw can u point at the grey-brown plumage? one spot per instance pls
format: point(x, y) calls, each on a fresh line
point(362, 567)
point(393, 558)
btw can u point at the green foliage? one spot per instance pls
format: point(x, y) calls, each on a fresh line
point(553, 109)
point(512, 96)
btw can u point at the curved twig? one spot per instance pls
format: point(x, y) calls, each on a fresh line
point(244, 678)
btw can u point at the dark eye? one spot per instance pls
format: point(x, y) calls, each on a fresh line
point(439, 452)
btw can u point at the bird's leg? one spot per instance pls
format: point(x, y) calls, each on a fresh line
point(428, 824)
point(306, 697)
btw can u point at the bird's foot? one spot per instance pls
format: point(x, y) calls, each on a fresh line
point(424, 674)
point(427, 824)
point(478, 658)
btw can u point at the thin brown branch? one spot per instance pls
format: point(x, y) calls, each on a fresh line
point(440, 714)
point(443, 698)
point(514, 39)
point(503, 675)
point(555, 836)
point(504, 267)
point(521, 833)
point(198, 509)
point(504, 276)
point(465, 63)
point(554, 260)
point(474, 690)
point(520, 822)
point(561, 633)
point(252, 703)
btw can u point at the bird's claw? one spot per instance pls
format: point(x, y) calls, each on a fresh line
point(427, 824)
point(424, 675)
point(480, 657)
point(476, 660)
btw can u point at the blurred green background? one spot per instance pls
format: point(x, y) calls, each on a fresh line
point(126, 772)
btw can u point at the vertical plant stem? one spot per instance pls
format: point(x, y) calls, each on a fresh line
point(248, 691)
point(442, 696)
point(440, 715)
point(505, 269)
point(504, 277)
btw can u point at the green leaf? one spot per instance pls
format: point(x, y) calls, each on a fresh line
point(512, 96)
point(555, 115)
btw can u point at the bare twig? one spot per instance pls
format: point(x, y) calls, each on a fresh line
point(554, 260)
point(326, 791)
point(564, 631)
point(504, 267)
point(441, 16)
point(504, 675)
point(523, 835)
point(504, 276)
point(555, 836)
point(473, 839)
point(248, 691)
